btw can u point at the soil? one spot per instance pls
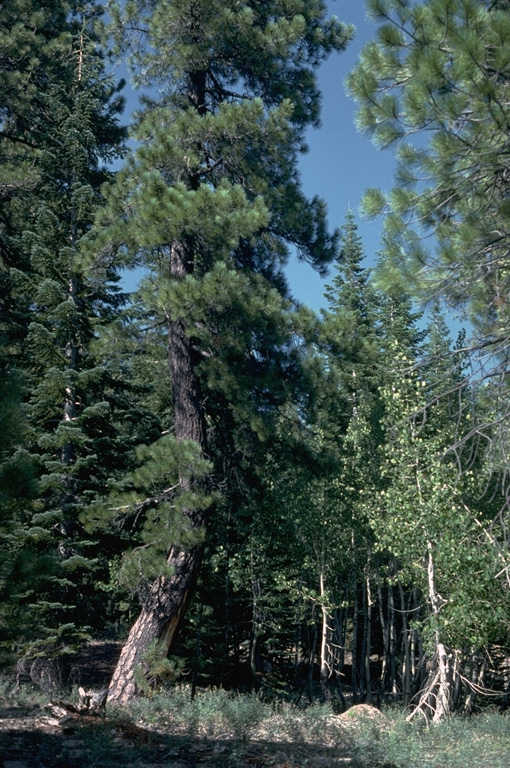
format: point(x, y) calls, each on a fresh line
point(37, 739)
point(30, 742)
point(51, 736)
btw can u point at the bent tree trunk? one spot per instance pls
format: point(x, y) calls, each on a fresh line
point(169, 596)
point(158, 622)
point(436, 700)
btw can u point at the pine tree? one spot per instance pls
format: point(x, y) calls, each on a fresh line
point(210, 204)
point(433, 86)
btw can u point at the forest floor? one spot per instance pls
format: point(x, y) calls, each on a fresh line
point(34, 738)
point(218, 729)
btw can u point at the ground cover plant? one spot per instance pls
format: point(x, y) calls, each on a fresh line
point(219, 728)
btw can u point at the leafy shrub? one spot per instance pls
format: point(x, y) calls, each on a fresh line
point(213, 714)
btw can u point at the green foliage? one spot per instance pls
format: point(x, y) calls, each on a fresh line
point(157, 670)
point(150, 506)
point(481, 740)
point(215, 714)
point(421, 513)
point(433, 86)
point(210, 204)
point(60, 127)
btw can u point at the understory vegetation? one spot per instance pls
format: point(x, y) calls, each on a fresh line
point(216, 728)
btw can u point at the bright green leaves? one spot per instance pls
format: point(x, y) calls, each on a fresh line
point(422, 510)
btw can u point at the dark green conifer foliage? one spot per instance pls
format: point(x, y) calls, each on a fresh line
point(210, 204)
point(17, 488)
point(59, 304)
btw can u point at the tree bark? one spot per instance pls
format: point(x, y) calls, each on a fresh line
point(169, 596)
point(406, 671)
point(367, 637)
point(324, 652)
point(436, 701)
point(354, 671)
point(158, 622)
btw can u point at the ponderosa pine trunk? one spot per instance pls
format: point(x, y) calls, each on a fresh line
point(169, 596)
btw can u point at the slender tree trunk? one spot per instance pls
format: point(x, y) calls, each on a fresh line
point(367, 636)
point(297, 640)
point(355, 647)
point(256, 624)
point(324, 653)
point(406, 671)
point(385, 629)
point(392, 677)
point(414, 643)
point(313, 646)
point(443, 694)
point(340, 640)
point(198, 652)
point(436, 701)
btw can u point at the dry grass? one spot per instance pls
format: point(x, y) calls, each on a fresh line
point(222, 730)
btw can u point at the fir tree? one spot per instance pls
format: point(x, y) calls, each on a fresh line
point(61, 305)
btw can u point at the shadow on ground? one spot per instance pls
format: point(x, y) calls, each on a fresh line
point(27, 740)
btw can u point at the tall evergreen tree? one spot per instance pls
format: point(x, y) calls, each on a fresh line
point(210, 203)
point(59, 304)
point(352, 351)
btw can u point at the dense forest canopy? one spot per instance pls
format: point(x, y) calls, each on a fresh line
point(241, 491)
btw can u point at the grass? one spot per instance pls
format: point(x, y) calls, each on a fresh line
point(242, 730)
point(482, 741)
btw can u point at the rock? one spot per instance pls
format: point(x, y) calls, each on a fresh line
point(362, 713)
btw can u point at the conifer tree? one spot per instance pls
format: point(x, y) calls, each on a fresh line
point(210, 204)
point(60, 306)
point(433, 86)
point(352, 347)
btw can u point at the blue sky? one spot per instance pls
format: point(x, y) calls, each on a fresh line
point(341, 163)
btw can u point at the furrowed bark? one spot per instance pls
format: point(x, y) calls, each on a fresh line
point(169, 596)
point(159, 620)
